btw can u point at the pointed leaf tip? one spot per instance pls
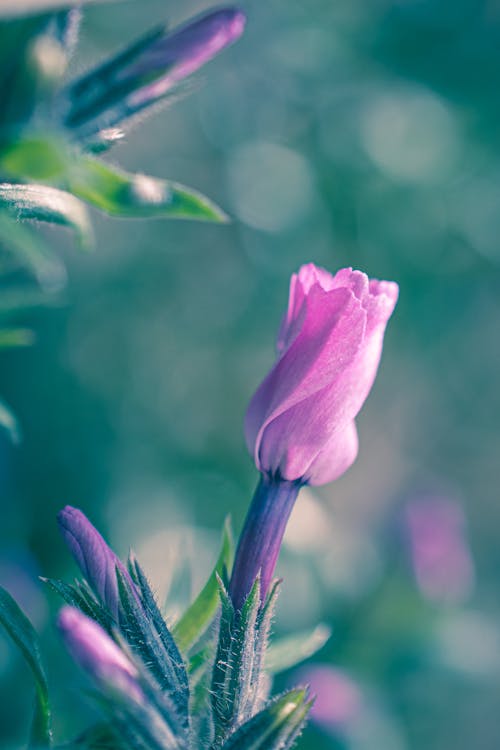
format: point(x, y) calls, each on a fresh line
point(275, 727)
point(139, 196)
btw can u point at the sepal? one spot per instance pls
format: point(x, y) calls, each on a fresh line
point(81, 596)
point(239, 683)
point(146, 632)
point(276, 727)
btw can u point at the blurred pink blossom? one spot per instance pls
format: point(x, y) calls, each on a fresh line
point(440, 552)
point(338, 699)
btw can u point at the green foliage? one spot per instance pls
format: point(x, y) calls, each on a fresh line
point(43, 203)
point(81, 597)
point(179, 706)
point(201, 612)
point(138, 196)
point(39, 145)
point(146, 632)
point(24, 636)
point(239, 683)
point(276, 727)
point(35, 158)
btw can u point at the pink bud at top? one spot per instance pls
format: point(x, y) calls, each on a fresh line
point(300, 422)
point(97, 654)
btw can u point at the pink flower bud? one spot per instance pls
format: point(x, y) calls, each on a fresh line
point(300, 422)
point(97, 654)
point(95, 558)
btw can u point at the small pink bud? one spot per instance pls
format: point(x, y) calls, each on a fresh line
point(97, 654)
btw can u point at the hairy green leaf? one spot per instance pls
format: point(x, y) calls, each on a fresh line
point(138, 196)
point(81, 597)
point(43, 203)
point(276, 727)
point(233, 675)
point(179, 679)
point(201, 612)
point(24, 636)
point(146, 632)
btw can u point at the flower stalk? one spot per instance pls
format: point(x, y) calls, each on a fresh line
point(260, 540)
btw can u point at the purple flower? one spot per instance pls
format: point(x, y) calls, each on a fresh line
point(148, 70)
point(441, 557)
point(95, 559)
point(300, 422)
point(97, 654)
point(183, 52)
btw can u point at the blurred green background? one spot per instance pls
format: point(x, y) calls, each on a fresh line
point(340, 132)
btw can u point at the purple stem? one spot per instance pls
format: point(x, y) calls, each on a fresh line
point(260, 541)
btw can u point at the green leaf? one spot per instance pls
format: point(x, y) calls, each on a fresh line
point(179, 679)
point(146, 632)
point(9, 422)
point(24, 636)
point(34, 158)
point(287, 652)
point(138, 196)
point(276, 727)
point(233, 678)
point(201, 612)
point(49, 204)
